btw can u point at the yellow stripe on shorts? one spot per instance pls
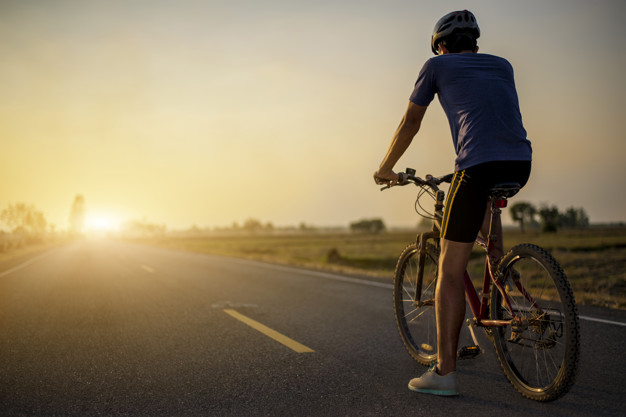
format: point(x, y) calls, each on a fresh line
point(451, 194)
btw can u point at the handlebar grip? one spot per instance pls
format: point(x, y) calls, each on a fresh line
point(447, 178)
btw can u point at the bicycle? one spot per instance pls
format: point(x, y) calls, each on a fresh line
point(531, 316)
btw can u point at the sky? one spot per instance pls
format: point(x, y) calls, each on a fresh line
point(206, 113)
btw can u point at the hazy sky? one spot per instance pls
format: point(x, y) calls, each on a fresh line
point(208, 112)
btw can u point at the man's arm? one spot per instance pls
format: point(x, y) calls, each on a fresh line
point(409, 126)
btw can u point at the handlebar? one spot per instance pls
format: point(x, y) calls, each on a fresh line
point(409, 177)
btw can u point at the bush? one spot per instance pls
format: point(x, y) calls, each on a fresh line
point(368, 226)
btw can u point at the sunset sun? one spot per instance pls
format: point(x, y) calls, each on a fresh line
point(100, 222)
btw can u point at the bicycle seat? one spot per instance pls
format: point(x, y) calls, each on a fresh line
point(504, 190)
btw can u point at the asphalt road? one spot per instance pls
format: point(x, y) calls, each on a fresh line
point(110, 328)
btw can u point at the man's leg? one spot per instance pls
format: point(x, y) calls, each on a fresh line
point(450, 301)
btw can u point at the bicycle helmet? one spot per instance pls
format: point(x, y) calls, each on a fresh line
point(459, 20)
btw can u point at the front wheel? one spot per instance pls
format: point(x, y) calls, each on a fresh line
point(414, 301)
point(539, 352)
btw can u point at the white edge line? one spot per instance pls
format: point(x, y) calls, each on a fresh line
point(372, 283)
point(316, 273)
point(617, 323)
point(24, 265)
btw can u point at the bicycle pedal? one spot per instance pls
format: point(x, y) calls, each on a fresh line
point(427, 347)
point(468, 352)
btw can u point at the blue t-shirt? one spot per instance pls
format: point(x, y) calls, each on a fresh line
point(477, 92)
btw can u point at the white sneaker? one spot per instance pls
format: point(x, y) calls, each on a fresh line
point(433, 383)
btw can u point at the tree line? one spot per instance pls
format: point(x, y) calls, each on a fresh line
point(23, 224)
point(24, 221)
point(547, 218)
point(526, 215)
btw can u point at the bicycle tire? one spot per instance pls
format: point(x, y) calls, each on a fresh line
point(540, 355)
point(416, 320)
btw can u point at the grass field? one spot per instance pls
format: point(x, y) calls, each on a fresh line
point(594, 259)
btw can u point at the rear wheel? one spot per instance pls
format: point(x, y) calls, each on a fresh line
point(414, 301)
point(539, 354)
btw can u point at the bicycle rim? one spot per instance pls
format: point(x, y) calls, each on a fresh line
point(414, 302)
point(539, 354)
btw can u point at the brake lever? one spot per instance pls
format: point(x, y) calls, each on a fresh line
point(403, 179)
point(431, 181)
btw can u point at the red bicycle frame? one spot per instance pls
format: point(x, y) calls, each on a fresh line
point(479, 306)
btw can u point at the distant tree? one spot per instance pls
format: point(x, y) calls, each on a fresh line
point(143, 229)
point(425, 224)
point(77, 214)
point(368, 226)
point(13, 216)
point(252, 225)
point(306, 228)
point(24, 220)
point(194, 230)
point(574, 218)
point(524, 214)
point(36, 222)
point(550, 218)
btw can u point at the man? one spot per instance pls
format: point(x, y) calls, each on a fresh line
point(478, 95)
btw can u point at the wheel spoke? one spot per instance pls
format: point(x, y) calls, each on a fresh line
point(544, 338)
point(414, 304)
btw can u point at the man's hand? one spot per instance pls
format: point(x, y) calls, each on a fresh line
point(386, 177)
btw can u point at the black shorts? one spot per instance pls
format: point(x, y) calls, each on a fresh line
point(469, 192)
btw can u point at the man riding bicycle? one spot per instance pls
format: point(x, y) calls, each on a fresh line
point(478, 95)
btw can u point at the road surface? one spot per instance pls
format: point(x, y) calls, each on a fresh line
point(109, 328)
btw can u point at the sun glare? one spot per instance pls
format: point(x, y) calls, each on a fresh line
point(101, 223)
